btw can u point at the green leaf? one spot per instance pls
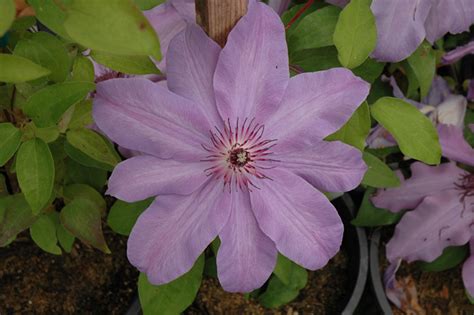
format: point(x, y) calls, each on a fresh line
point(47, 51)
point(83, 159)
point(22, 24)
point(450, 258)
point(316, 59)
point(369, 215)
point(355, 35)
point(126, 64)
point(82, 70)
point(147, 4)
point(16, 69)
point(51, 14)
point(48, 134)
point(291, 12)
point(35, 172)
point(81, 218)
point(370, 70)
point(80, 174)
point(414, 132)
point(356, 129)
point(277, 294)
point(76, 191)
point(65, 238)
point(3, 187)
point(7, 15)
point(173, 297)
point(315, 30)
point(290, 273)
point(423, 64)
point(91, 24)
point(93, 145)
point(378, 89)
point(378, 173)
point(47, 105)
point(82, 115)
point(123, 215)
point(43, 233)
point(282, 288)
point(6, 93)
point(10, 137)
point(382, 153)
point(15, 217)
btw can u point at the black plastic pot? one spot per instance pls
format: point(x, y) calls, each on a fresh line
point(355, 242)
point(376, 276)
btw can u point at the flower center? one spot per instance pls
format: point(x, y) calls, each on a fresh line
point(239, 154)
point(239, 157)
point(110, 74)
point(466, 186)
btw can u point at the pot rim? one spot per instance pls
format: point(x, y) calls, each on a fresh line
point(363, 261)
point(375, 275)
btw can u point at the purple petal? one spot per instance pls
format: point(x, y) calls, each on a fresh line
point(300, 220)
point(339, 3)
point(379, 137)
point(140, 115)
point(279, 6)
point(186, 9)
point(441, 220)
point(252, 71)
point(425, 180)
point(190, 69)
point(449, 16)
point(146, 176)
point(400, 27)
point(397, 92)
point(317, 104)
point(167, 22)
point(246, 257)
point(329, 166)
point(456, 54)
point(468, 271)
point(175, 230)
point(471, 126)
point(452, 111)
point(438, 92)
point(454, 146)
point(394, 292)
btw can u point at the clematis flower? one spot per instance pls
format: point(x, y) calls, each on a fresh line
point(403, 24)
point(233, 148)
point(447, 112)
point(443, 201)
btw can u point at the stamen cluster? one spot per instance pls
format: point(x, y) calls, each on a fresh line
point(239, 154)
point(466, 185)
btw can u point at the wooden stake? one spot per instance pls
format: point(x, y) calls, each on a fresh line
point(218, 17)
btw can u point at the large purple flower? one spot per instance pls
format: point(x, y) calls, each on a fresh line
point(403, 24)
point(234, 149)
point(443, 201)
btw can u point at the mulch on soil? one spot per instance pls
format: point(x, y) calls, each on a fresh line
point(86, 281)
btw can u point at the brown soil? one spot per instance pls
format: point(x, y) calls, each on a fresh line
point(85, 281)
point(326, 293)
point(438, 293)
